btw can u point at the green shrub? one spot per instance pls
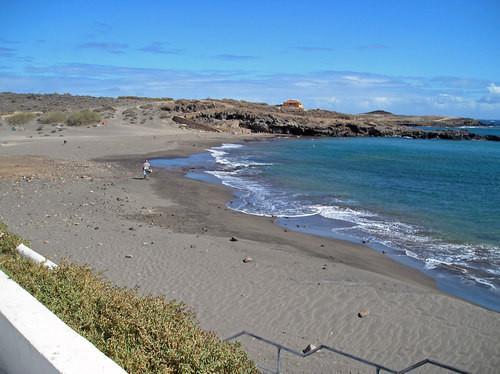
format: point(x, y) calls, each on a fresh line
point(141, 334)
point(20, 118)
point(8, 241)
point(52, 117)
point(84, 117)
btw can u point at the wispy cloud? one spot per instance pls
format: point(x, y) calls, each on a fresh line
point(445, 99)
point(102, 27)
point(369, 80)
point(109, 47)
point(13, 55)
point(314, 49)
point(494, 89)
point(373, 46)
point(457, 82)
point(7, 52)
point(490, 100)
point(493, 95)
point(160, 48)
point(233, 57)
point(78, 70)
point(99, 29)
point(26, 59)
point(8, 41)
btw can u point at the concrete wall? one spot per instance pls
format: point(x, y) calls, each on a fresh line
point(34, 340)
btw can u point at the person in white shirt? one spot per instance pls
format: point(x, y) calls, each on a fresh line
point(146, 169)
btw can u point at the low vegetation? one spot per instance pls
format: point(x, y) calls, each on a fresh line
point(20, 118)
point(53, 117)
point(8, 242)
point(142, 98)
point(141, 334)
point(82, 118)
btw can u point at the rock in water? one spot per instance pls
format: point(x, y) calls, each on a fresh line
point(233, 239)
point(363, 313)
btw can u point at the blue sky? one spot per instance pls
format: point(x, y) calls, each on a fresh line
point(410, 57)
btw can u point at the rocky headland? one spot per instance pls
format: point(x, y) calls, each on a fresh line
point(234, 116)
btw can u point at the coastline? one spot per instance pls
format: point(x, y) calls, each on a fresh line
point(452, 280)
point(208, 214)
point(177, 231)
point(332, 246)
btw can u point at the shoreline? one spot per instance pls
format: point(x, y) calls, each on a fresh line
point(210, 211)
point(443, 280)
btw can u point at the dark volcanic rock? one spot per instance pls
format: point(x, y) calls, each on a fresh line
point(494, 138)
point(324, 123)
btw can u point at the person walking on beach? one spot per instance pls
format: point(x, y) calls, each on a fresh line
point(146, 169)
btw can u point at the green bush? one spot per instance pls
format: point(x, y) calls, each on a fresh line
point(20, 118)
point(141, 334)
point(52, 117)
point(84, 117)
point(8, 241)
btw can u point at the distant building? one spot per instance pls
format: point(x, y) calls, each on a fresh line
point(292, 104)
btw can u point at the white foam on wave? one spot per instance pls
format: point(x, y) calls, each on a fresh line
point(364, 220)
point(409, 240)
point(230, 146)
point(231, 179)
point(258, 199)
point(255, 196)
point(431, 263)
point(476, 127)
point(483, 281)
point(221, 157)
point(342, 213)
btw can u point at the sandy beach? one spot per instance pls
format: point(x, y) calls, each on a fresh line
point(84, 200)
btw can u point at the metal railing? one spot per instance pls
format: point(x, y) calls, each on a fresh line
point(378, 367)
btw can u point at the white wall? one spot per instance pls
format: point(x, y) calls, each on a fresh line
point(34, 340)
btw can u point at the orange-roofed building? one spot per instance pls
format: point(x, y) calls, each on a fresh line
point(292, 104)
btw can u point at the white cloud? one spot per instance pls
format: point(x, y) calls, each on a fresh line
point(448, 99)
point(344, 91)
point(327, 99)
point(494, 89)
point(309, 83)
point(355, 79)
point(382, 100)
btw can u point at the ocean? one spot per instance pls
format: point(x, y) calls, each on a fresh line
point(431, 204)
point(488, 127)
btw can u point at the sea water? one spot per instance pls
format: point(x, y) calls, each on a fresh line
point(487, 127)
point(431, 204)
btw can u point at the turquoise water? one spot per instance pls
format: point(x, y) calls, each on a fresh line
point(433, 204)
point(488, 127)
